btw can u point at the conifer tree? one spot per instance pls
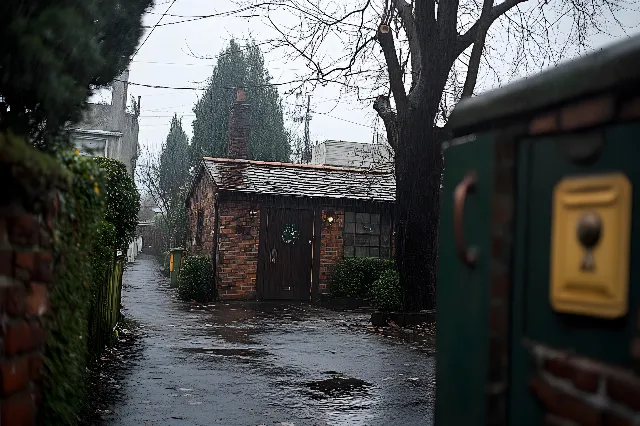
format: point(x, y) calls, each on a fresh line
point(239, 66)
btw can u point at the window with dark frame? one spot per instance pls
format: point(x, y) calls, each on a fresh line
point(367, 235)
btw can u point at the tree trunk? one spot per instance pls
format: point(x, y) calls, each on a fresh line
point(418, 177)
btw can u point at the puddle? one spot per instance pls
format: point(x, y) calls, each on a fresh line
point(337, 387)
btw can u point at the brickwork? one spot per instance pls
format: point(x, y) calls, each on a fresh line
point(501, 240)
point(238, 131)
point(26, 273)
point(200, 240)
point(237, 239)
point(237, 252)
point(579, 391)
point(584, 114)
point(331, 245)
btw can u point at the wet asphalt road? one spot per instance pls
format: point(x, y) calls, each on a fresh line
point(264, 364)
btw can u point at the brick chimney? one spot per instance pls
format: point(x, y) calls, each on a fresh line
point(238, 132)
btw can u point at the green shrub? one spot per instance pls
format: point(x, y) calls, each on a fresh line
point(196, 279)
point(81, 210)
point(123, 200)
point(386, 293)
point(355, 277)
point(102, 257)
point(102, 254)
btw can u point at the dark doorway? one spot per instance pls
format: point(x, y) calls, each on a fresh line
point(286, 254)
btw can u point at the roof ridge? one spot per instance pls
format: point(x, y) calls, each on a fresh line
point(293, 165)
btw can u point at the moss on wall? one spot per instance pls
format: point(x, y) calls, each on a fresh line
point(28, 174)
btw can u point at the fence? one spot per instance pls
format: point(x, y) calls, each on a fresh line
point(135, 247)
point(105, 309)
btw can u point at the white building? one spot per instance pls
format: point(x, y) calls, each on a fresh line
point(352, 154)
point(109, 130)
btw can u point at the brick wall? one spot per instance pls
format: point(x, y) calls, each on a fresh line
point(202, 200)
point(26, 270)
point(238, 130)
point(579, 391)
point(237, 263)
point(501, 240)
point(331, 246)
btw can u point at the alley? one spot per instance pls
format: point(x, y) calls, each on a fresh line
point(263, 364)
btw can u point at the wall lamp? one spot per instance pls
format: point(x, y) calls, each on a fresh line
point(328, 218)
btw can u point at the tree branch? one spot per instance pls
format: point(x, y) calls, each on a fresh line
point(465, 40)
point(447, 20)
point(478, 47)
point(405, 11)
point(425, 25)
point(385, 39)
point(383, 107)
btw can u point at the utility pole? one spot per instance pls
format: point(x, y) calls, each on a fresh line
point(306, 149)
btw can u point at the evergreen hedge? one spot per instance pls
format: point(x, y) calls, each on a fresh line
point(386, 292)
point(355, 277)
point(77, 226)
point(122, 200)
point(196, 279)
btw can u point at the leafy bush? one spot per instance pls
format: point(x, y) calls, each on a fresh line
point(123, 200)
point(102, 257)
point(355, 277)
point(102, 253)
point(196, 279)
point(386, 292)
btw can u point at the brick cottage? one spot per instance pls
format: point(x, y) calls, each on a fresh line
point(275, 230)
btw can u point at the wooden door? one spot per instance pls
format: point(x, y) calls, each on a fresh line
point(463, 291)
point(286, 254)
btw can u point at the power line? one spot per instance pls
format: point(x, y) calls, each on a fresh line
point(312, 112)
point(166, 116)
point(191, 64)
point(200, 17)
point(155, 86)
point(343, 119)
point(152, 29)
point(248, 86)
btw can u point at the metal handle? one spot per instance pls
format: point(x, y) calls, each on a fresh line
point(274, 255)
point(468, 256)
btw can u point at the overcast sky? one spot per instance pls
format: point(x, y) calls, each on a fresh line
point(165, 60)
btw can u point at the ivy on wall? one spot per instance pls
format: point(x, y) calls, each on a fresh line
point(97, 210)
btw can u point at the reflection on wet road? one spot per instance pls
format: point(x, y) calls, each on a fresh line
point(264, 363)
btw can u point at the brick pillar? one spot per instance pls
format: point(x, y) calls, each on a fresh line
point(26, 270)
point(238, 130)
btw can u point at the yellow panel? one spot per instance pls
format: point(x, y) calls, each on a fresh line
point(602, 290)
point(171, 262)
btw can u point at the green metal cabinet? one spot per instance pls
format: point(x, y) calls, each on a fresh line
point(462, 293)
point(512, 152)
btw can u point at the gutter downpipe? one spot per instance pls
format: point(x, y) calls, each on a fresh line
point(214, 249)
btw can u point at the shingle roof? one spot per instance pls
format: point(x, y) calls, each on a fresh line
point(301, 180)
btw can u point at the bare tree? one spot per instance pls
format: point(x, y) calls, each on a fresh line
point(418, 58)
point(170, 203)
